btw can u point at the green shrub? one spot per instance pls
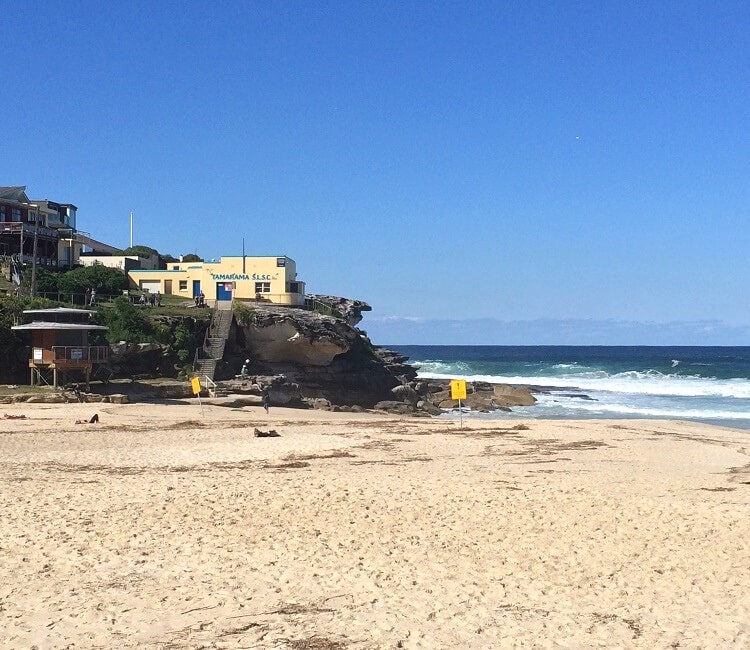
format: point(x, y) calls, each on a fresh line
point(245, 315)
point(184, 343)
point(106, 281)
point(126, 322)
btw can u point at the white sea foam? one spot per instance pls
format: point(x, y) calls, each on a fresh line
point(580, 390)
point(678, 410)
point(632, 383)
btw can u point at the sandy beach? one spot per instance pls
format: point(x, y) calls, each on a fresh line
point(163, 526)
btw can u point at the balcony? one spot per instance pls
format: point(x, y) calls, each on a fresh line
point(70, 356)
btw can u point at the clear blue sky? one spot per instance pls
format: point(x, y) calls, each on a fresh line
point(467, 168)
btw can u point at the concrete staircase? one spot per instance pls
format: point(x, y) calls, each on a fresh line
point(212, 351)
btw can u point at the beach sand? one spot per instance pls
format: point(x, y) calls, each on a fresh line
point(167, 527)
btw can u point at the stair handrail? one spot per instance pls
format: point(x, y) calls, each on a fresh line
point(208, 331)
point(210, 385)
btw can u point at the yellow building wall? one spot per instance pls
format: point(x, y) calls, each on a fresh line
point(270, 279)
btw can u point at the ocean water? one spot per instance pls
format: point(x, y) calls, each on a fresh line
point(705, 384)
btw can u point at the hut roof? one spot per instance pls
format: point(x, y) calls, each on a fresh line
point(49, 325)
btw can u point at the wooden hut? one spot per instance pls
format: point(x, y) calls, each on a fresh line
point(60, 345)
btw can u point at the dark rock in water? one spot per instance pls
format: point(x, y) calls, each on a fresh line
point(481, 396)
point(582, 396)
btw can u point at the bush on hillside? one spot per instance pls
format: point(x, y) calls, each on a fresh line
point(140, 251)
point(106, 281)
point(126, 322)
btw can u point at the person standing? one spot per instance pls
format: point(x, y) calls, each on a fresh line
point(93, 296)
point(86, 297)
point(266, 400)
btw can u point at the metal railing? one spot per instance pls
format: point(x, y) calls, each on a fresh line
point(210, 385)
point(92, 353)
point(322, 308)
point(75, 299)
point(283, 299)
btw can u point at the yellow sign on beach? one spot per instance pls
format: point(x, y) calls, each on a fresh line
point(458, 389)
point(195, 382)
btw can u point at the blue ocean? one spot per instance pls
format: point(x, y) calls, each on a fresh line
point(705, 384)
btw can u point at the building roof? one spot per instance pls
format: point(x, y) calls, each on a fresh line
point(58, 310)
point(48, 325)
point(98, 246)
point(14, 193)
point(54, 205)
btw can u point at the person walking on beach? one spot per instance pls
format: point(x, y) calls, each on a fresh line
point(266, 400)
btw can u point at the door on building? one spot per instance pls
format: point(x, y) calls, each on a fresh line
point(196, 288)
point(223, 291)
point(151, 286)
point(168, 287)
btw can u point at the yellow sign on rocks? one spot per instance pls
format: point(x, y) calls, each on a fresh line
point(195, 382)
point(458, 389)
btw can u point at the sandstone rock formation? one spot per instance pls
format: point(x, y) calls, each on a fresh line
point(306, 358)
point(347, 309)
point(322, 354)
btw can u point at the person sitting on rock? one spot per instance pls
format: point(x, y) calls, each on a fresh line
point(245, 369)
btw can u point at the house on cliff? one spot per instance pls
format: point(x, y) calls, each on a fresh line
point(42, 229)
point(36, 228)
point(271, 279)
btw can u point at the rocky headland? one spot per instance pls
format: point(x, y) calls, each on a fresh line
point(304, 358)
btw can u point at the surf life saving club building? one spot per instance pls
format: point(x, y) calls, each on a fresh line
point(268, 279)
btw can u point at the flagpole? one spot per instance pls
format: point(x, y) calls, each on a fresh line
point(131, 230)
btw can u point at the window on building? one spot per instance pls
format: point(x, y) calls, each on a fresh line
point(294, 287)
point(183, 285)
point(176, 268)
point(280, 261)
point(262, 287)
point(2, 213)
point(16, 216)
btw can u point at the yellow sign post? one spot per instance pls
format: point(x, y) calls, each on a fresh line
point(195, 382)
point(458, 391)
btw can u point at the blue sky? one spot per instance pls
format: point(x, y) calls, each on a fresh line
point(482, 172)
